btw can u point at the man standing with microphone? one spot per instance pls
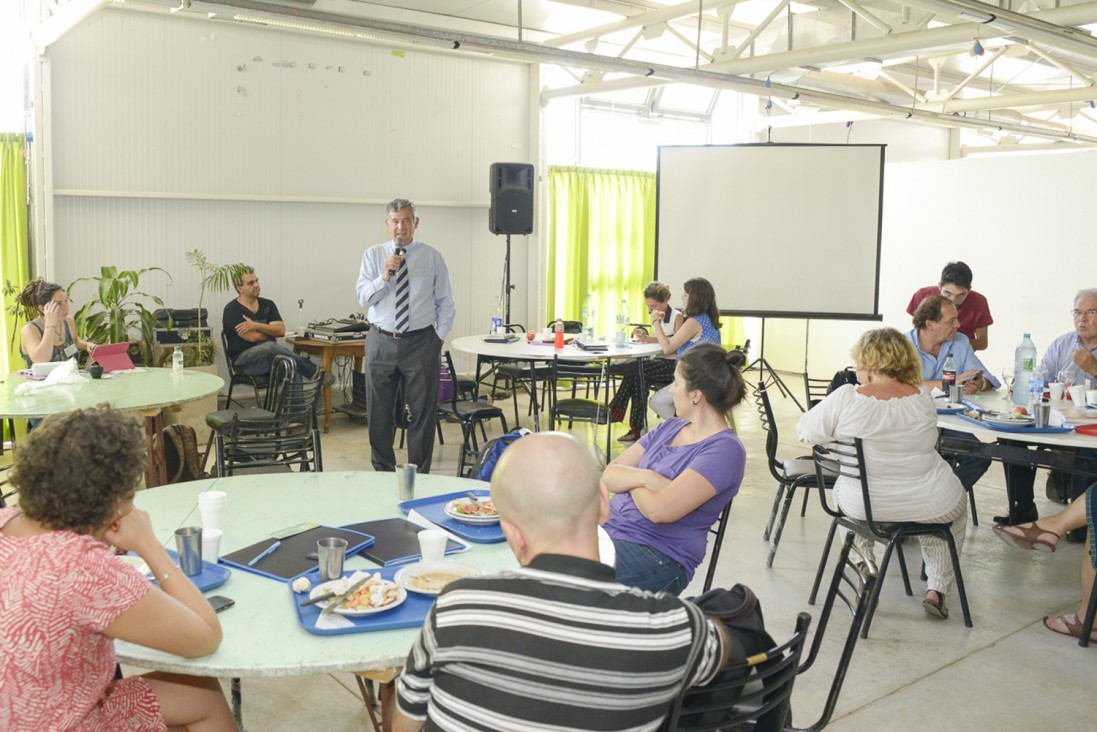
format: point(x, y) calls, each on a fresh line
point(405, 285)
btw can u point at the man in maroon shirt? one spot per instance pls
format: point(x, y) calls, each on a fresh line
point(971, 307)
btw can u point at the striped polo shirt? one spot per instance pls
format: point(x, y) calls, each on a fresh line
point(555, 645)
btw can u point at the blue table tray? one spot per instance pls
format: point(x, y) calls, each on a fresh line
point(211, 576)
point(951, 410)
point(410, 614)
point(1027, 428)
point(434, 510)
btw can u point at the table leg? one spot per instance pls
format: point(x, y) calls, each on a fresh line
point(157, 472)
point(237, 701)
point(325, 360)
point(388, 704)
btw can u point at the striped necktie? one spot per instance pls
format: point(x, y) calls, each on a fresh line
point(403, 301)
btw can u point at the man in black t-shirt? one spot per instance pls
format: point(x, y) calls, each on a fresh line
point(253, 325)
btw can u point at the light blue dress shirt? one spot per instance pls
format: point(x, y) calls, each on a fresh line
point(1059, 356)
point(964, 358)
point(430, 290)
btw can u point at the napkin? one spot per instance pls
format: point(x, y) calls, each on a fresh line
point(66, 373)
point(333, 620)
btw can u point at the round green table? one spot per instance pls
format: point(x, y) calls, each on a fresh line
point(146, 392)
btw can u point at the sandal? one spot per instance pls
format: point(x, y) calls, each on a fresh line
point(1073, 628)
point(1027, 537)
point(936, 608)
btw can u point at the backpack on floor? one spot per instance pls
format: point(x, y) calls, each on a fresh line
point(181, 458)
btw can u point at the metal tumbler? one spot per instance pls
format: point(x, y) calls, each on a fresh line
point(188, 543)
point(331, 552)
point(405, 481)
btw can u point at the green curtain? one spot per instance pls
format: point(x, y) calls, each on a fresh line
point(14, 252)
point(601, 240)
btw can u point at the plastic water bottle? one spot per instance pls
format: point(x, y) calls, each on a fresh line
point(559, 329)
point(948, 373)
point(177, 360)
point(622, 315)
point(588, 316)
point(496, 318)
point(1035, 388)
point(1024, 363)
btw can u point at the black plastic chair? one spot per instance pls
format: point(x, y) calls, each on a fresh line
point(470, 414)
point(744, 693)
point(789, 474)
point(717, 531)
point(523, 375)
point(1087, 621)
point(236, 377)
point(5, 494)
point(847, 459)
point(815, 390)
point(575, 408)
point(290, 439)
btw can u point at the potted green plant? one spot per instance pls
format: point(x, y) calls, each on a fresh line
point(117, 310)
point(215, 278)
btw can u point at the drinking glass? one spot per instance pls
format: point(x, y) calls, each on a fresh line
point(1066, 378)
point(1007, 380)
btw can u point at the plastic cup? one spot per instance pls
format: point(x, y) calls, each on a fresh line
point(1091, 397)
point(211, 544)
point(188, 544)
point(622, 339)
point(211, 504)
point(405, 481)
point(1055, 389)
point(1078, 395)
point(331, 552)
point(432, 545)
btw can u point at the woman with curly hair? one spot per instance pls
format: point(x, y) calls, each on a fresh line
point(66, 597)
point(50, 332)
point(674, 482)
point(908, 480)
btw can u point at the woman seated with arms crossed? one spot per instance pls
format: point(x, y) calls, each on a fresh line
point(676, 479)
point(66, 597)
point(50, 332)
point(895, 417)
point(657, 371)
point(702, 324)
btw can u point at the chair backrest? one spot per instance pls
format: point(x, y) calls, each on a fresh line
point(769, 424)
point(514, 328)
point(447, 363)
point(815, 390)
point(843, 459)
point(229, 360)
point(579, 372)
point(852, 582)
point(283, 370)
point(299, 401)
point(717, 531)
point(756, 690)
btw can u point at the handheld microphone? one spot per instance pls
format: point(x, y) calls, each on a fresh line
point(400, 251)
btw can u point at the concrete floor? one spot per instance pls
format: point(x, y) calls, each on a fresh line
point(1007, 673)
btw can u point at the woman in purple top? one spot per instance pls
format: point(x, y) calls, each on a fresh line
point(676, 480)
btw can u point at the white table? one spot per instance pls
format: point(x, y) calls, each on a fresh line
point(261, 635)
point(1014, 447)
point(533, 352)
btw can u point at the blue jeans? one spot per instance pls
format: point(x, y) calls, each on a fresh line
point(649, 569)
point(257, 360)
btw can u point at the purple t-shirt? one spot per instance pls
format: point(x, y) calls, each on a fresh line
point(720, 459)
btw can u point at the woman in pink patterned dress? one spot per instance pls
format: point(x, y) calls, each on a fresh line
point(65, 597)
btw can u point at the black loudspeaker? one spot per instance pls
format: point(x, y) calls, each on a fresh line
point(511, 186)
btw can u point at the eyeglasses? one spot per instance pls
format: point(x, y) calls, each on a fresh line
point(1087, 314)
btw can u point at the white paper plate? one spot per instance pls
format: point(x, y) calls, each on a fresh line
point(407, 576)
point(340, 585)
point(1008, 421)
point(451, 511)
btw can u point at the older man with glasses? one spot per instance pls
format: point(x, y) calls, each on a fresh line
point(1076, 353)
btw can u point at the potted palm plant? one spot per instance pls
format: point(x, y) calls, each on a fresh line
point(117, 310)
point(215, 278)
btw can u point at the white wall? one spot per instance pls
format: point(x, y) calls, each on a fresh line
point(278, 150)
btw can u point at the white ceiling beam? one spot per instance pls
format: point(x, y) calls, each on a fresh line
point(1011, 101)
point(777, 10)
point(866, 16)
point(671, 12)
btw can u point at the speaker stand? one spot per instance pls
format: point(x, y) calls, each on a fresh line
point(507, 287)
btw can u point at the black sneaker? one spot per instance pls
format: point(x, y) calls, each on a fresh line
point(1024, 515)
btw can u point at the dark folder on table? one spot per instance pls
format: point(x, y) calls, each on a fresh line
point(396, 541)
point(296, 554)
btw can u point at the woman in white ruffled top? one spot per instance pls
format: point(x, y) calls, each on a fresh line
point(894, 415)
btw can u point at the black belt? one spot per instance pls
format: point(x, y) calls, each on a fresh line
point(405, 334)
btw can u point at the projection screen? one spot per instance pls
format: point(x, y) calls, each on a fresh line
point(785, 231)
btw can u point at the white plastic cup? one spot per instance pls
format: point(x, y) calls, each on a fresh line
point(211, 544)
point(1078, 395)
point(1055, 388)
point(432, 545)
point(1091, 397)
point(211, 504)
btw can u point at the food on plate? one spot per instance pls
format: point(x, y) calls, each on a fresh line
point(1019, 412)
point(432, 581)
point(301, 584)
point(484, 508)
point(375, 593)
point(973, 415)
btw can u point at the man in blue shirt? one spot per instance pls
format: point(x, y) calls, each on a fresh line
point(936, 337)
point(405, 284)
